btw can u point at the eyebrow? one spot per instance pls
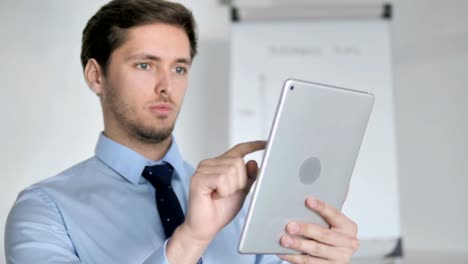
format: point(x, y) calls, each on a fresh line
point(146, 56)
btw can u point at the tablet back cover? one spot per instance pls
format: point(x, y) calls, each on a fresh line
point(313, 146)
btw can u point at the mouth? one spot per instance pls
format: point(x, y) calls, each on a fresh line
point(161, 109)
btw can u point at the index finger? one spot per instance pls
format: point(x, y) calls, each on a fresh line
point(333, 216)
point(242, 149)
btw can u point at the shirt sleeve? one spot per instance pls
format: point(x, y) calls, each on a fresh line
point(35, 231)
point(159, 256)
point(268, 259)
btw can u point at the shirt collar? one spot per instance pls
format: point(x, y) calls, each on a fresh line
point(130, 164)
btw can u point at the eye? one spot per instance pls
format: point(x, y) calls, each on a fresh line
point(180, 70)
point(143, 66)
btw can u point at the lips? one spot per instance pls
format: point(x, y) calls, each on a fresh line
point(161, 109)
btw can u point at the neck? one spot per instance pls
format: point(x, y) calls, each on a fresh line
point(152, 151)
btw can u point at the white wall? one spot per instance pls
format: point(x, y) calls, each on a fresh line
point(50, 120)
point(431, 79)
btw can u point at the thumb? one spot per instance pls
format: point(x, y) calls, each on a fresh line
point(252, 172)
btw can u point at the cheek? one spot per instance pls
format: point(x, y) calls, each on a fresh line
point(180, 90)
point(128, 89)
point(135, 89)
point(139, 81)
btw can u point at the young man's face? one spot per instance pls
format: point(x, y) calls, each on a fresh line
point(146, 81)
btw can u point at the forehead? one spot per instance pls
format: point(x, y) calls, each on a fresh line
point(162, 40)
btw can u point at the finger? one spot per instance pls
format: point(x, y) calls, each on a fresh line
point(252, 169)
point(316, 249)
point(323, 235)
point(205, 182)
point(226, 165)
point(333, 216)
point(303, 259)
point(252, 172)
point(214, 162)
point(214, 185)
point(242, 149)
point(229, 178)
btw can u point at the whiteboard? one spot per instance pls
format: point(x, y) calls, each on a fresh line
point(353, 54)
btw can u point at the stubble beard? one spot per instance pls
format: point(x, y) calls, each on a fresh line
point(135, 127)
point(150, 134)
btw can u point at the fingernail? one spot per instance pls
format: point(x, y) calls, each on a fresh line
point(286, 241)
point(293, 228)
point(312, 202)
point(281, 256)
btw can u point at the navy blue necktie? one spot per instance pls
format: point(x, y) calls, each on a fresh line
point(168, 205)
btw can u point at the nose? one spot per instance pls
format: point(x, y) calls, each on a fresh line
point(163, 85)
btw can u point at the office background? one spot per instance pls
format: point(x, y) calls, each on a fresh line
point(50, 119)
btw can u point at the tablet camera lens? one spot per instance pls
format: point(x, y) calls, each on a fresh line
point(291, 88)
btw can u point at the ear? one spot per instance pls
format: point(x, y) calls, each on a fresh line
point(94, 76)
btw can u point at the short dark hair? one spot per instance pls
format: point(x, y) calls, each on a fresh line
point(107, 29)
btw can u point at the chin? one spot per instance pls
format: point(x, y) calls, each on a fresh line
point(155, 133)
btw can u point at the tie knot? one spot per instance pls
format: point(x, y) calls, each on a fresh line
point(158, 175)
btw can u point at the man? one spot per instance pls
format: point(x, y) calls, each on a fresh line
point(136, 56)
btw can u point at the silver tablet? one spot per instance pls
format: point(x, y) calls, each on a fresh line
point(313, 146)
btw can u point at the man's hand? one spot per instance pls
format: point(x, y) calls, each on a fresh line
point(318, 244)
point(217, 192)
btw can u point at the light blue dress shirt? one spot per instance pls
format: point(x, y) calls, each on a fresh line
point(103, 211)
